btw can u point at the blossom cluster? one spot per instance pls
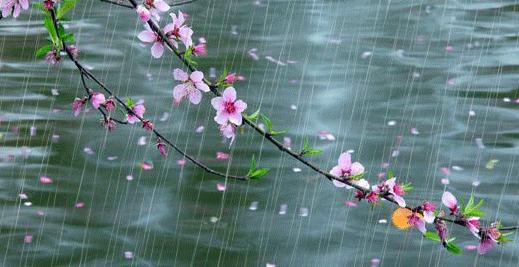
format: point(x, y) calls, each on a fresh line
point(350, 175)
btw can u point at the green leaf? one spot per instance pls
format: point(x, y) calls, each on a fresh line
point(390, 174)
point(432, 236)
point(68, 37)
point(254, 172)
point(42, 51)
point(65, 7)
point(267, 122)
point(258, 173)
point(453, 248)
point(129, 102)
point(252, 116)
point(407, 187)
point(275, 133)
point(49, 25)
point(471, 210)
point(308, 150)
point(356, 177)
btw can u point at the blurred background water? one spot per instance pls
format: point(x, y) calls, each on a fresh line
point(427, 87)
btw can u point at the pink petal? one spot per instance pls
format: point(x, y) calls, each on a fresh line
point(240, 106)
point(202, 86)
point(345, 161)
point(337, 171)
point(221, 118)
point(168, 28)
point(449, 200)
point(16, 11)
point(161, 6)
point(217, 103)
point(180, 75)
point(24, 4)
point(157, 50)
point(222, 156)
point(338, 183)
point(357, 168)
point(196, 76)
point(195, 97)
point(27, 239)
point(485, 246)
point(399, 200)
point(45, 180)
point(220, 187)
point(235, 118)
point(79, 205)
point(179, 92)
point(147, 36)
point(229, 95)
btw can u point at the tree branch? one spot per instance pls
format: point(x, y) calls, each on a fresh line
point(88, 74)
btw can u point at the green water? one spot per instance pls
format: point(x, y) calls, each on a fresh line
point(366, 71)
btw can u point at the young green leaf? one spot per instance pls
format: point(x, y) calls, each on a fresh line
point(453, 248)
point(49, 25)
point(390, 174)
point(129, 102)
point(254, 172)
point(308, 150)
point(42, 51)
point(252, 116)
point(267, 122)
point(432, 236)
point(65, 7)
point(407, 187)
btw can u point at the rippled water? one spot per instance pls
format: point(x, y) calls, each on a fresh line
point(366, 71)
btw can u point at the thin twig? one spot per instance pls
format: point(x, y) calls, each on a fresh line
point(153, 25)
point(89, 75)
point(119, 3)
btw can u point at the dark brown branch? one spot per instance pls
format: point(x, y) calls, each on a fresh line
point(88, 74)
point(120, 3)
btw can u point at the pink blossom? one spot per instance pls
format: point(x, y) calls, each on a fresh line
point(441, 228)
point(49, 4)
point(228, 109)
point(473, 224)
point(97, 99)
point(489, 238)
point(161, 147)
point(109, 124)
point(417, 222)
point(52, 57)
point(372, 197)
point(143, 13)
point(191, 86)
point(230, 78)
point(428, 211)
point(74, 51)
point(45, 180)
point(147, 125)
point(155, 7)
point(393, 188)
point(13, 6)
point(450, 202)
point(228, 131)
point(79, 205)
point(346, 169)
point(222, 156)
point(221, 187)
point(359, 195)
point(77, 105)
point(178, 31)
point(137, 111)
point(200, 49)
point(110, 104)
point(149, 36)
point(27, 239)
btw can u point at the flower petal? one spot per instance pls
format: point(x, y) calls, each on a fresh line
point(485, 246)
point(221, 118)
point(240, 106)
point(179, 92)
point(449, 200)
point(196, 76)
point(338, 183)
point(399, 200)
point(217, 103)
point(157, 50)
point(147, 36)
point(345, 161)
point(180, 75)
point(357, 168)
point(235, 118)
point(202, 87)
point(229, 95)
point(195, 97)
point(161, 6)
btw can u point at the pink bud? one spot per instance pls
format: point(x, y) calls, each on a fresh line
point(143, 13)
point(97, 99)
point(230, 78)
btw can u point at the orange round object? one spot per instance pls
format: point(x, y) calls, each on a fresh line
point(400, 218)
